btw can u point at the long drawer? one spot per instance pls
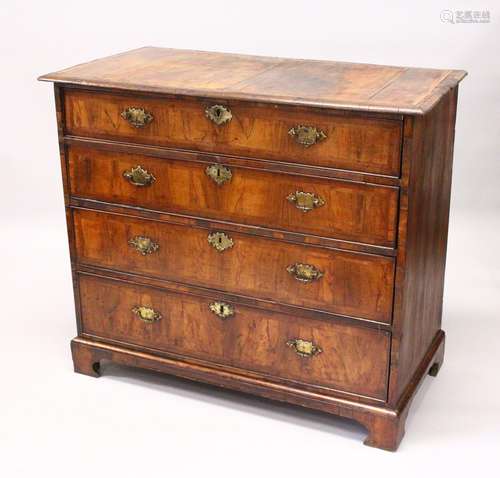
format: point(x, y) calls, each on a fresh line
point(282, 133)
point(346, 283)
point(324, 353)
point(331, 208)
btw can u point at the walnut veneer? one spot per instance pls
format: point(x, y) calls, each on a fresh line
point(272, 226)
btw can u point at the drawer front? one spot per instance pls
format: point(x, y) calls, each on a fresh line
point(262, 131)
point(351, 359)
point(330, 208)
point(354, 284)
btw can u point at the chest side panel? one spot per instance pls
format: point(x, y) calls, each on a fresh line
point(423, 233)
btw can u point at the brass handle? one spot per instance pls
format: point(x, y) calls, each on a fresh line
point(144, 245)
point(304, 348)
point(137, 117)
point(304, 272)
point(146, 314)
point(221, 309)
point(307, 135)
point(138, 176)
point(305, 201)
point(220, 241)
point(218, 114)
point(218, 174)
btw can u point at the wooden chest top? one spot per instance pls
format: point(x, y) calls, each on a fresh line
point(339, 85)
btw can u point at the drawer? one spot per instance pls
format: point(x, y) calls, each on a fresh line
point(347, 283)
point(255, 130)
point(337, 356)
point(331, 208)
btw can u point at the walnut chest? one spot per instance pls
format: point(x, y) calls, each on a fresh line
point(268, 225)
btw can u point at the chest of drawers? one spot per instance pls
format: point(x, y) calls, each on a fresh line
point(272, 226)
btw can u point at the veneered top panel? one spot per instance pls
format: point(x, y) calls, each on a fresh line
point(328, 84)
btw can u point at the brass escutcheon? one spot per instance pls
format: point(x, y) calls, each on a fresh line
point(220, 241)
point(218, 114)
point(304, 272)
point(218, 174)
point(143, 244)
point(221, 309)
point(146, 314)
point(304, 348)
point(305, 201)
point(138, 176)
point(137, 117)
point(306, 135)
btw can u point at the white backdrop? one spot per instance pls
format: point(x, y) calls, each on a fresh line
point(54, 423)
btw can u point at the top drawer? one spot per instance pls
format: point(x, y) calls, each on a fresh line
point(281, 133)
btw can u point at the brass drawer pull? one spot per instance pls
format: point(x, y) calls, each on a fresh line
point(137, 117)
point(146, 314)
point(304, 272)
point(144, 245)
point(220, 241)
point(218, 174)
point(304, 348)
point(218, 114)
point(306, 135)
point(305, 201)
point(138, 176)
point(221, 309)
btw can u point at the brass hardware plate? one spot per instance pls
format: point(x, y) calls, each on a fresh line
point(304, 348)
point(220, 241)
point(305, 201)
point(137, 117)
point(304, 272)
point(146, 314)
point(218, 114)
point(221, 309)
point(144, 245)
point(307, 135)
point(219, 174)
point(138, 176)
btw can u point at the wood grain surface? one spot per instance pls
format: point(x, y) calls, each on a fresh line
point(261, 131)
point(383, 170)
point(353, 359)
point(329, 84)
point(352, 211)
point(359, 285)
point(423, 239)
